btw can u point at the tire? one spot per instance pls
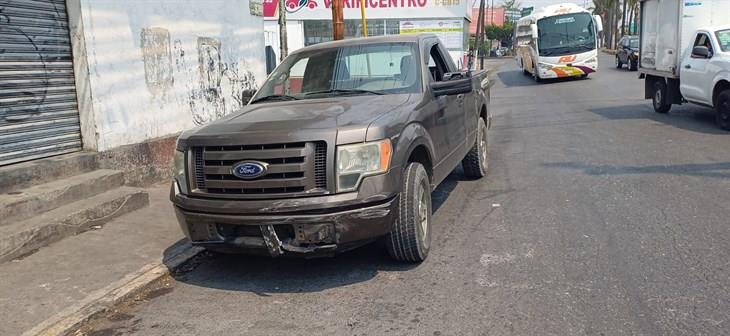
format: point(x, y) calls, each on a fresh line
point(723, 110)
point(476, 162)
point(633, 65)
point(659, 98)
point(410, 238)
point(619, 65)
point(535, 76)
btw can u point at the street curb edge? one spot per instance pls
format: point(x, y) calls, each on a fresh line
point(106, 298)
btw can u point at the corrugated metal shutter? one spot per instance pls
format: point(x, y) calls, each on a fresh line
point(38, 110)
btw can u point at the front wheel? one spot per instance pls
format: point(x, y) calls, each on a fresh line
point(723, 110)
point(634, 65)
point(619, 65)
point(410, 238)
point(659, 100)
point(476, 162)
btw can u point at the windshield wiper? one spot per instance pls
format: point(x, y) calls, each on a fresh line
point(274, 97)
point(345, 91)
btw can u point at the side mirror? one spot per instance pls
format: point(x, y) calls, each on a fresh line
point(701, 52)
point(599, 23)
point(533, 28)
point(455, 75)
point(452, 87)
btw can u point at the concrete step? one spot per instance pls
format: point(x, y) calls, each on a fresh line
point(24, 238)
point(23, 175)
point(26, 203)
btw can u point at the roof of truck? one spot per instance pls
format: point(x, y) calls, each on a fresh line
point(412, 38)
point(715, 28)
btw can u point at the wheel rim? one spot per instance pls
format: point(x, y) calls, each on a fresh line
point(658, 99)
point(423, 215)
point(483, 149)
point(725, 112)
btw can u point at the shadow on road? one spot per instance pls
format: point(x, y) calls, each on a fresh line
point(715, 170)
point(515, 78)
point(691, 118)
point(265, 275)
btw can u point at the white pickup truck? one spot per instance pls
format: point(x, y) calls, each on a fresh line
point(684, 61)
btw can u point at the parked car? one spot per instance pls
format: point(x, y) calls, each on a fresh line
point(690, 63)
point(628, 53)
point(343, 144)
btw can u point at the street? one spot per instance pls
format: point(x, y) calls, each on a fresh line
point(598, 217)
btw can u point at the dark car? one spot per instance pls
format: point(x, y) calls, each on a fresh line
point(342, 145)
point(628, 53)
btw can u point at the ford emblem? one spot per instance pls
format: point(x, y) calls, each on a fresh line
point(249, 169)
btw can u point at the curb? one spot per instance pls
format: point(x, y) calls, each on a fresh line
point(106, 298)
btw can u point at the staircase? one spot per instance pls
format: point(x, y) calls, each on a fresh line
point(44, 201)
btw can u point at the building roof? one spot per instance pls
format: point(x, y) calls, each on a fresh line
point(412, 38)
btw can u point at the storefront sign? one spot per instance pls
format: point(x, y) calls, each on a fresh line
point(451, 32)
point(374, 9)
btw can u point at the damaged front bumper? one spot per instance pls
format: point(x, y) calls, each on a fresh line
point(322, 231)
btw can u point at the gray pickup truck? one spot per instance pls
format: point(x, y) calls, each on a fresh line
point(342, 145)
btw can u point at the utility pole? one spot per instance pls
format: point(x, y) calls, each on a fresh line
point(623, 20)
point(479, 41)
point(338, 20)
point(283, 47)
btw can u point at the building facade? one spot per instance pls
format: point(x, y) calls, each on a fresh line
point(310, 21)
point(104, 74)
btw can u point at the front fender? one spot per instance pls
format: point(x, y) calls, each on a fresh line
point(412, 136)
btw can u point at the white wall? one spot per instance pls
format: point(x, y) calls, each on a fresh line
point(157, 67)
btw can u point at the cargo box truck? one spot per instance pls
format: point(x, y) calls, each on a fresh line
point(685, 54)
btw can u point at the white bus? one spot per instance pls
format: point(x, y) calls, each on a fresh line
point(558, 41)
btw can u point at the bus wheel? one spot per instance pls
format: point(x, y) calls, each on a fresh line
point(535, 76)
point(659, 100)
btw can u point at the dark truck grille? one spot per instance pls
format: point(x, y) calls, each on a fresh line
point(294, 168)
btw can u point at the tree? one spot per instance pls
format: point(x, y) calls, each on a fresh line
point(511, 4)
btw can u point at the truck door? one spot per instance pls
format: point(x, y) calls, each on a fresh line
point(449, 118)
point(693, 71)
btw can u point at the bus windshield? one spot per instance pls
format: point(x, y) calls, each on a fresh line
point(566, 34)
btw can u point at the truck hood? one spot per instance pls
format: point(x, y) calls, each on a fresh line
point(307, 114)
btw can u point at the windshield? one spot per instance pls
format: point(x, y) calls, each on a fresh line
point(634, 43)
point(352, 70)
point(723, 37)
point(566, 34)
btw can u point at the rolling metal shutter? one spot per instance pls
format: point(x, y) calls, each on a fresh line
point(38, 111)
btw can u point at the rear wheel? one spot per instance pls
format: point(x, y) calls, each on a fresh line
point(723, 110)
point(410, 238)
point(659, 99)
point(476, 162)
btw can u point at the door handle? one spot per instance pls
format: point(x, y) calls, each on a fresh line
point(688, 66)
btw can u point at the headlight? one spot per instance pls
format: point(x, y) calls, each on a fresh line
point(592, 60)
point(544, 66)
point(359, 160)
point(179, 172)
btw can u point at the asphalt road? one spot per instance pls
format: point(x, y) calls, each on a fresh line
point(598, 217)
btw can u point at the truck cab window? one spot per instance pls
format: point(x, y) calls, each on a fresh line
point(703, 40)
point(436, 64)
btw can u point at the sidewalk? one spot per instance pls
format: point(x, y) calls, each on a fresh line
point(80, 270)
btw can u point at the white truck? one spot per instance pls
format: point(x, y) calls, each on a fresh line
point(685, 54)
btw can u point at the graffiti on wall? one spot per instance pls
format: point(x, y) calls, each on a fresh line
point(213, 88)
point(157, 58)
point(222, 87)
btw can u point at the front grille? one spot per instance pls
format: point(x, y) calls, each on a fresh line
point(293, 168)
